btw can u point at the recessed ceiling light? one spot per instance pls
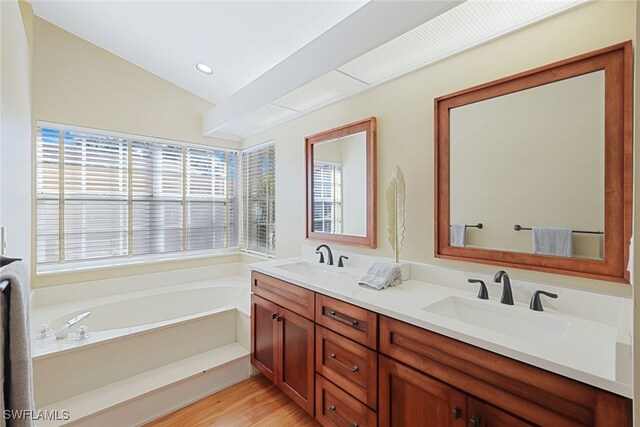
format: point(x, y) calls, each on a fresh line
point(204, 69)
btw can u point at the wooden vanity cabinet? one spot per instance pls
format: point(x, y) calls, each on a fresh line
point(342, 363)
point(283, 342)
point(500, 391)
point(409, 398)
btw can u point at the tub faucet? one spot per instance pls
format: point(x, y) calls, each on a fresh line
point(329, 254)
point(507, 296)
point(63, 332)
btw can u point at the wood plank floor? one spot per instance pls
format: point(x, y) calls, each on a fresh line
point(253, 402)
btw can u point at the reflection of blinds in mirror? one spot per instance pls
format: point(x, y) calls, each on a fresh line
point(327, 197)
point(258, 199)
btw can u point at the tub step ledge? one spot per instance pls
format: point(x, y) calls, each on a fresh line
point(152, 394)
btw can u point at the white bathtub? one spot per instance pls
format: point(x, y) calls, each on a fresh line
point(144, 330)
point(116, 316)
point(149, 310)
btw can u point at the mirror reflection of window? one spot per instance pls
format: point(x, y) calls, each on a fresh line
point(327, 197)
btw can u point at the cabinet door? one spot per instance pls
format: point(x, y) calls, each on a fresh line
point(484, 415)
point(409, 398)
point(296, 340)
point(264, 336)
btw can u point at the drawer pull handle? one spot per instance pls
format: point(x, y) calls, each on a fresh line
point(352, 322)
point(332, 408)
point(475, 421)
point(353, 368)
point(279, 318)
point(457, 413)
point(274, 316)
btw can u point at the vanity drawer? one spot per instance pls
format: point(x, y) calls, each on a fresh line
point(285, 294)
point(335, 407)
point(533, 394)
point(353, 322)
point(350, 365)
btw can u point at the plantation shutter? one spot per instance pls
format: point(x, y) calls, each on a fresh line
point(258, 170)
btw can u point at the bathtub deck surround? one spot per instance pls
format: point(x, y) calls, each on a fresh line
point(581, 336)
point(150, 350)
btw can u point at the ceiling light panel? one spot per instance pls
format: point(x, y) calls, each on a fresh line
point(465, 26)
point(323, 90)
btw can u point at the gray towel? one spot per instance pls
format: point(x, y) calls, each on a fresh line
point(380, 275)
point(553, 241)
point(458, 235)
point(18, 380)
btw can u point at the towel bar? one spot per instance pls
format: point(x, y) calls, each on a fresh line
point(518, 227)
point(478, 225)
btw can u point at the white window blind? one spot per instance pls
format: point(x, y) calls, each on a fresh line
point(211, 199)
point(156, 175)
point(105, 195)
point(258, 200)
point(327, 197)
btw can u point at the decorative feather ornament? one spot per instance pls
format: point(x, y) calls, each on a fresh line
point(395, 210)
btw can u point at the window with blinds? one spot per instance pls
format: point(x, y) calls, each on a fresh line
point(104, 195)
point(327, 197)
point(258, 200)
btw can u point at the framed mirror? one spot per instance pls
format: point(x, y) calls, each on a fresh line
point(534, 171)
point(341, 184)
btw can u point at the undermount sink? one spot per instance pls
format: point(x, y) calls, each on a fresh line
point(304, 268)
point(505, 320)
point(309, 269)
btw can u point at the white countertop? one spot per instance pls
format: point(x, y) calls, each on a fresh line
point(586, 352)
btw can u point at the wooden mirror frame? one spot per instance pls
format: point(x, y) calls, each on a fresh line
point(368, 126)
point(617, 62)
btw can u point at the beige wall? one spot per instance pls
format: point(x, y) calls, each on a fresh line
point(77, 83)
point(404, 108)
point(534, 158)
point(15, 131)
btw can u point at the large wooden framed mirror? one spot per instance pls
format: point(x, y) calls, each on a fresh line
point(341, 184)
point(534, 171)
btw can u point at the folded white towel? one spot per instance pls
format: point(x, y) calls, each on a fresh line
point(380, 275)
point(458, 235)
point(553, 241)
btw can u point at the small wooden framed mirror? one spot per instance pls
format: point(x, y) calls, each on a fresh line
point(534, 170)
point(341, 184)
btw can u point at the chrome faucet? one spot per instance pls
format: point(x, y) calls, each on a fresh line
point(507, 296)
point(329, 254)
point(63, 332)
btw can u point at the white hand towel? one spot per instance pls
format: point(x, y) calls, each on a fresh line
point(553, 241)
point(380, 275)
point(458, 235)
